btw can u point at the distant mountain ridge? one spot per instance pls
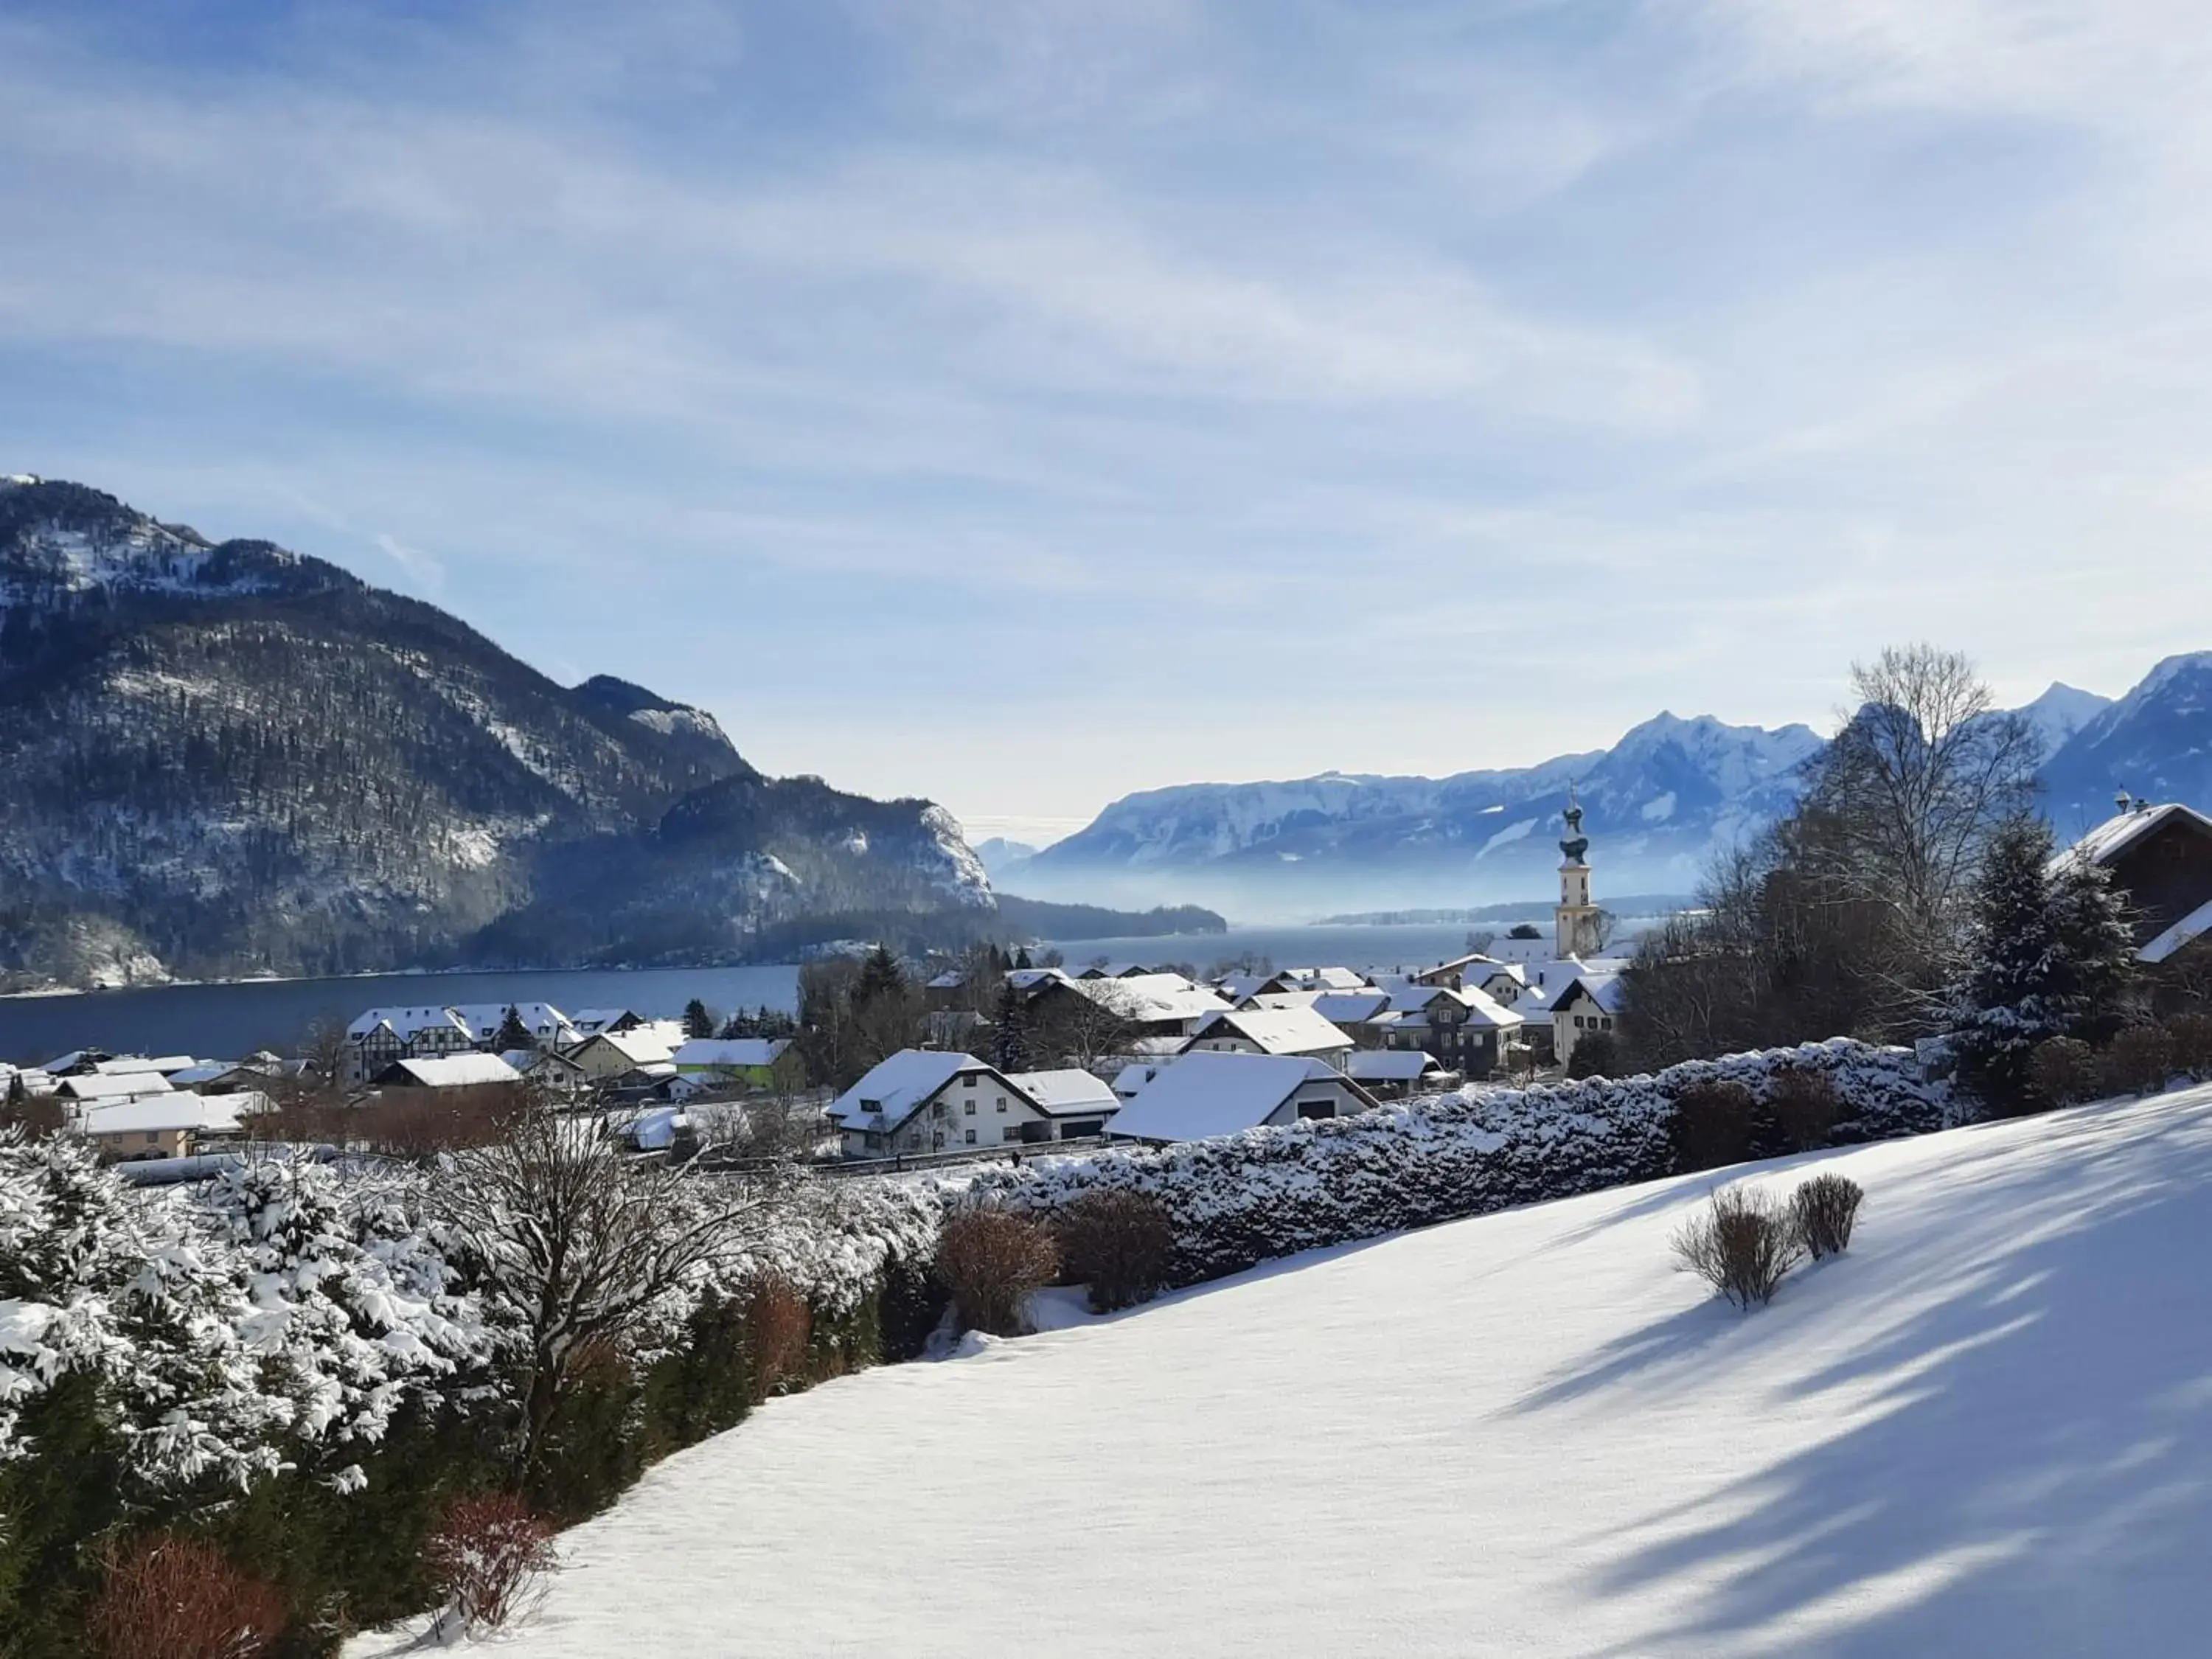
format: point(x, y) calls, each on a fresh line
point(1657, 806)
point(229, 758)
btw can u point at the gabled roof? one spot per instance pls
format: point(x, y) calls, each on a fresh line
point(2123, 830)
point(166, 1065)
point(895, 1087)
point(732, 1052)
point(1063, 1093)
point(638, 1046)
point(1608, 991)
point(1390, 1065)
point(118, 1085)
point(159, 1113)
point(1351, 1008)
point(1479, 1006)
point(1206, 1094)
point(1278, 1030)
point(452, 1071)
point(406, 1023)
point(540, 1019)
point(2189, 928)
point(592, 1021)
point(1151, 998)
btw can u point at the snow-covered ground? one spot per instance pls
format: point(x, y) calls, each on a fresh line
point(1988, 1430)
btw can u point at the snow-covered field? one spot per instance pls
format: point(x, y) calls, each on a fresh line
point(1988, 1430)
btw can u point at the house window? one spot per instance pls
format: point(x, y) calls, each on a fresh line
point(967, 1109)
point(153, 1137)
point(1605, 1023)
point(971, 1137)
point(1010, 1133)
point(969, 1081)
point(1316, 1108)
point(1002, 1103)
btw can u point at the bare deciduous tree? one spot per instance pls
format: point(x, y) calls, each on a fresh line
point(1080, 1025)
point(577, 1240)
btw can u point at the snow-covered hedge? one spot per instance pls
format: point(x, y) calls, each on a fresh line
point(1240, 1200)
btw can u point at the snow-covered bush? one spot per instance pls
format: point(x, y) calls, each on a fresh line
point(488, 1560)
point(1825, 1210)
point(1741, 1244)
point(1239, 1199)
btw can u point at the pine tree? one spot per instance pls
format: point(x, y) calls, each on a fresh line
point(880, 976)
point(513, 1033)
point(697, 1022)
point(1010, 1038)
point(1022, 959)
point(2050, 953)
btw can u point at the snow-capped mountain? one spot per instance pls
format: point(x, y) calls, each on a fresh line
point(226, 757)
point(1656, 804)
point(2155, 742)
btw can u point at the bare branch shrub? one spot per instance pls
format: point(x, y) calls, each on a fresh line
point(2062, 1071)
point(2139, 1061)
point(1711, 1126)
point(1805, 1108)
point(1826, 1209)
point(1741, 1244)
point(1118, 1243)
point(2192, 1044)
point(418, 1124)
point(167, 1597)
point(992, 1261)
point(488, 1559)
point(779, 1326)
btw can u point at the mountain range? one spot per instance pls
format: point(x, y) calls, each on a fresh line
point(225, 758)
point(1657, 806)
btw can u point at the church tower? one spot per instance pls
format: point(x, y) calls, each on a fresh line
point(1575, 918)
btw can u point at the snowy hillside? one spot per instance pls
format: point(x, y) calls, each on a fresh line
point(1982, 1431)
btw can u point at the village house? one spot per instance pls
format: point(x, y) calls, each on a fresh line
point(382, 1035)
point(922, 1100)
point(463, 1071)
point(1395, 1073)
point(1210, 1093)
point(113, 1086)
point(176, 1124)
point(754, 1064)
point(1079, 1104)
point(594, 1021)
point(1588, 1005)
point(2160, 859)
point(548, 1028)
point(613, 1055)
point(1272, 1031)
point(1466, 1031)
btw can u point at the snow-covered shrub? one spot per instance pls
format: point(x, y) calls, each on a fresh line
point(1712, 1125)
point(1237, 1200)
point(1803, 1107)
point(1741, 1244)
point(2062, 1071)
point(179, 1598)
point(993, 1261)
point(488, 1560)
point(1825, 1210)
point(1117, 1243)
point(2139, 1061)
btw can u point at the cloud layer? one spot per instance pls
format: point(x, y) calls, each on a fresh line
point(1026, 402)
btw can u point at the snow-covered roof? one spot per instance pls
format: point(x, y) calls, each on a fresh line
point(206, 1070)
point(1278, 1030)
point(1237, 987)
point(115, 1086)
point(457, 1071)
point(1389, 1065)
point(951, 980)
point(1149, 998)
point(896, 1085)
point(540, 1019)
point(1063, 1092)
point(404, 1022)
point(1286, 999)
point(1412, 1002)
point(1320, 978)
point(1205, 1093)
point(178, 1109)
point(1608, 991)
point(2123, 830)
point(732, 1051)
point(165, 1064)
point(1351, 1008)
point(592, 1021)
point(639, 1045)
point(2190, 927)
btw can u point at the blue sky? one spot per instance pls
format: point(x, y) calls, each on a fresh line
point(1021, 402)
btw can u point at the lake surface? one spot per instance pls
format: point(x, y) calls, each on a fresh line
point(225, 1021)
